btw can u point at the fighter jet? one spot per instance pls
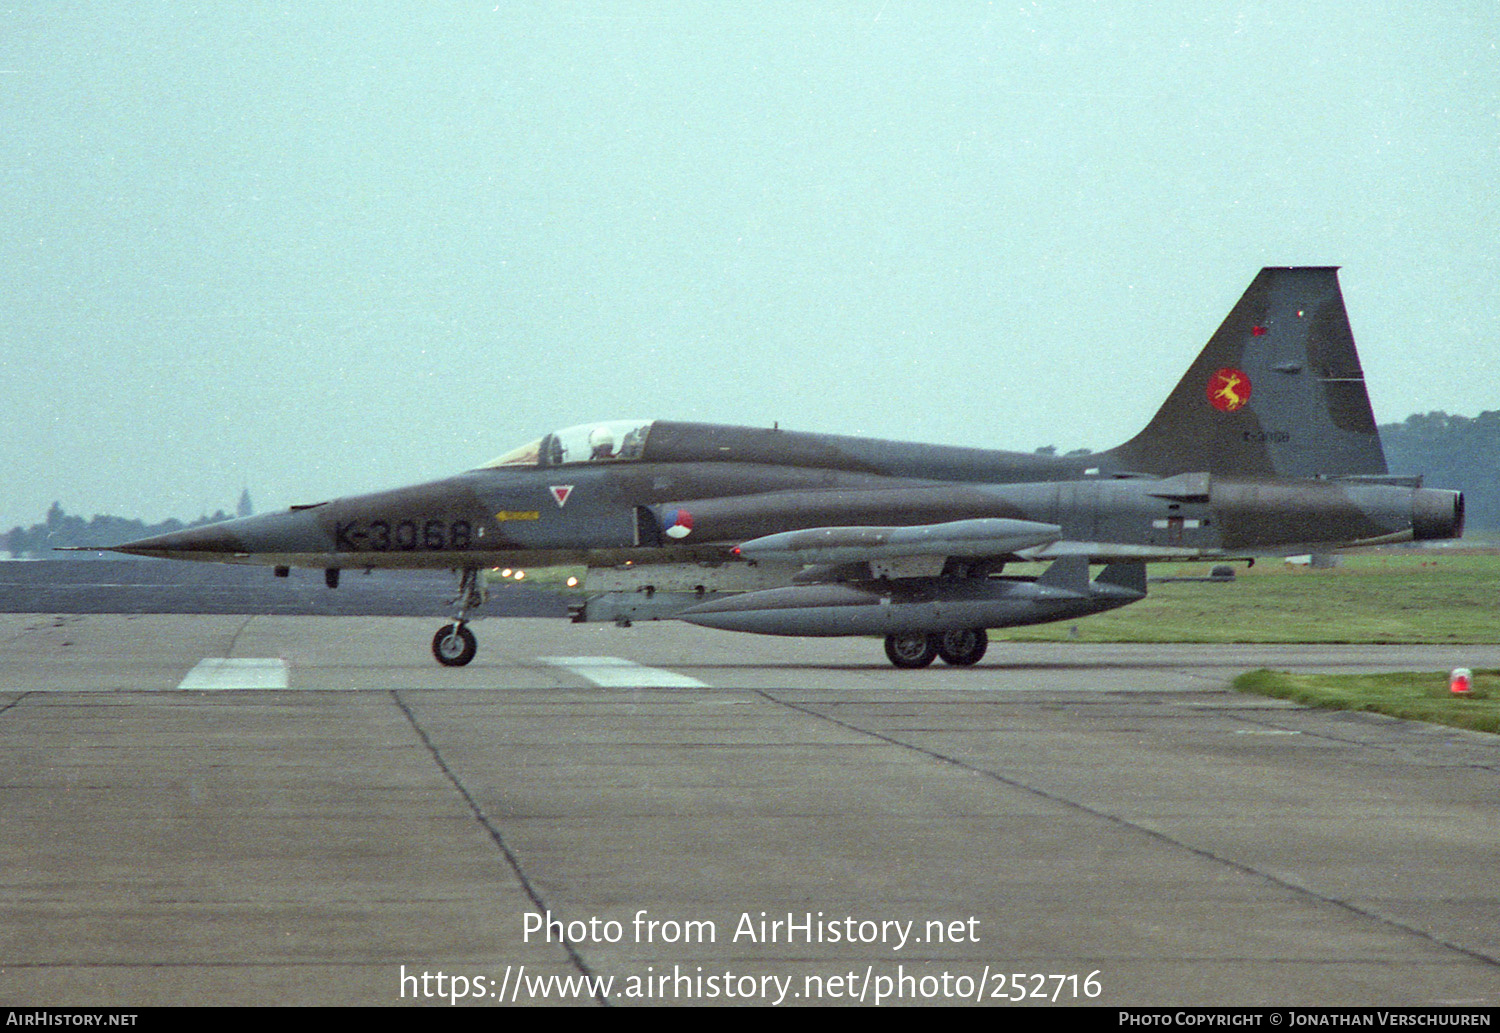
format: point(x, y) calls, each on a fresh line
point(1267, 445)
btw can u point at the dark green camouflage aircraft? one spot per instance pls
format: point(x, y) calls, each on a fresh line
point(1266, 446)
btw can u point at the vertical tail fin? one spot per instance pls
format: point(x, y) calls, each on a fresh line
point(1277, 391)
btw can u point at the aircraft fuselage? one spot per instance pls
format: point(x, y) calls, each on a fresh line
point(698, 510)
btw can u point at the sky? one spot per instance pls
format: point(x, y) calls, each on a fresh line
point(314, 249)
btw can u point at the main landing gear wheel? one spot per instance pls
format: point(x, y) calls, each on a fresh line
point(962, 648)
point(454, 645)
point(912, 649)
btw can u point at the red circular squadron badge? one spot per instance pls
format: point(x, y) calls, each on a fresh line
point(1228, 389)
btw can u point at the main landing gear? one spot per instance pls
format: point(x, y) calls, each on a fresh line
point(962, 648)
point(454, 644)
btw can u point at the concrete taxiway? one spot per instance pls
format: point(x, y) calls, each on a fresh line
point(292, 809)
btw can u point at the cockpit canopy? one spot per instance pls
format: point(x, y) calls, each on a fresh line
point(610, 441)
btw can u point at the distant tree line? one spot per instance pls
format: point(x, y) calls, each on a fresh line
point(39, 540)
point(1456, 452)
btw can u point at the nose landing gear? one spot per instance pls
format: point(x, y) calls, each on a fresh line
point(454, 644)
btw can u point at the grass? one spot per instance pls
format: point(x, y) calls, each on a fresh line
point(1390, 596)
point(554, 578)
point(1413, 697)
point(1406, 596)
point(1393, 596)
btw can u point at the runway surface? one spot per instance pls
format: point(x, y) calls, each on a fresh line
point(163, 586)
point(298, 809)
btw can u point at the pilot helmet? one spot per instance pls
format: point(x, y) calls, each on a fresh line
point(601, 440)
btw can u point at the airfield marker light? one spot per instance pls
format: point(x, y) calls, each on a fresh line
point(572, 582)
point(506, 572)
point(520, 575)
point(1461, 681)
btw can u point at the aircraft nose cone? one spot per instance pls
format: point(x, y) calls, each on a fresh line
point(234, 540)
point(215, 538)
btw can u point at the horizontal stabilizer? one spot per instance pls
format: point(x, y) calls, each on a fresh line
point(1071, 574)
point(981, 537)
point(1185, 487)
point(1129, 576)
point(1391, 479)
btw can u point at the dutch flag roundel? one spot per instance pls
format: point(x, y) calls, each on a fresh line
point(677, 523)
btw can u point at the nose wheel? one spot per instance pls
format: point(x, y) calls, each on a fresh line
point(454, 645)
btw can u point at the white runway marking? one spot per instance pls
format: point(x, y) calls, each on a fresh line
point(218, 672)
point(611, 672)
